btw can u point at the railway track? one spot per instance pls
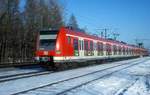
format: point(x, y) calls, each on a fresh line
point(12, 77)
point(17, 64)
point(23, 75)
point(63, 86)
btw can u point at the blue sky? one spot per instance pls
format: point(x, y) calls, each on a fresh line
point(130, 18)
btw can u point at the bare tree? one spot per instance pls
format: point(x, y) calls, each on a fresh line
point(9, 21)
point(18, 30)
point(56, 14)
point(73, 22)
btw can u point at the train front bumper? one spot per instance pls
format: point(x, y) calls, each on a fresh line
point(43, 59)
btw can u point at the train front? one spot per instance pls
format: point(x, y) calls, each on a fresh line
point(46, 43)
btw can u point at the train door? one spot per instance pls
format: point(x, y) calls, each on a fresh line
point(81, 50)
point(95, 48)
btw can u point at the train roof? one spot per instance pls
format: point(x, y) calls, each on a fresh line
point(45, 32)
point(83, 34)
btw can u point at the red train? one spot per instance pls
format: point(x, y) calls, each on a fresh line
point(57, 47)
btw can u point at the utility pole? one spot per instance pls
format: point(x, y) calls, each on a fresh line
point(103, 33)
point(105, 30)
point(140, 42)
point(115, 35)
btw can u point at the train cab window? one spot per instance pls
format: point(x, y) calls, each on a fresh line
point(69, 39)
point(47, 39)
point(47, 44)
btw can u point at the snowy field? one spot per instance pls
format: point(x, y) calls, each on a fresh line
point(131, 81)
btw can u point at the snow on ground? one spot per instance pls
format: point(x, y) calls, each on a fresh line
point(131, 81)
point(15, 86)
point(140, 87)
point(141, 69)
point(17, 70)
point(105, 86)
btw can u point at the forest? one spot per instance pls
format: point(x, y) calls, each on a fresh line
point(19, 26)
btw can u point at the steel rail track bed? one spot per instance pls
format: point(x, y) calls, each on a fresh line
point(79, 77)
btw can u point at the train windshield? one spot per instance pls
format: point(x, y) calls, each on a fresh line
point(48, 40)
point(47, 44)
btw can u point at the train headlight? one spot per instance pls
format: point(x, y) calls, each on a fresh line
point(45, 52)
point(37, 58)
point(58, 51)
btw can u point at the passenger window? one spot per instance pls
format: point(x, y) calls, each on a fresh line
point(95, 46)
point(80, 42)
point(119, 50)
point(91, 45)
point(82, 45)
point(86, 45)
point(108, 49)
point(76, 49)
point(75, 42)
point(115, 49)
point(100, 49)
point(86, 48)
point(69, 40)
